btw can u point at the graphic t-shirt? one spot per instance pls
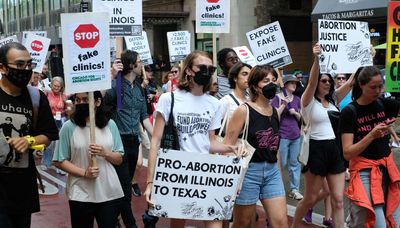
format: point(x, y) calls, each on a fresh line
point(194, 116)
point(18, 187)
point(367, 117)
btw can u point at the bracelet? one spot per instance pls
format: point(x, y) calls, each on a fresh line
point(149, 182)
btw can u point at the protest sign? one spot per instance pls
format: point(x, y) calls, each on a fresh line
point(269, 45)
point(245, 55)
point(393, 48)
point(7, 40)
point(345, 46)
point(195, 186)
point(140, 44)
point(37, 47)
point(125, 17)
point(178, 45)
point(212, 16)
point(86, 48)
point(39, 33)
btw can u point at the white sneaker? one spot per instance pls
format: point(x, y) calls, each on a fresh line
point(295, 194)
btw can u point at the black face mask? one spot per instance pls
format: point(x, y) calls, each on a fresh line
point(269, 91)
point(203, 76)
point(19, 78)
point(82, 110)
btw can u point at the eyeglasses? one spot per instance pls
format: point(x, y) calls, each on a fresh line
point(20, 64)
point(174, 71)
point(324, 81)
point(340, 78)
point(211, 69)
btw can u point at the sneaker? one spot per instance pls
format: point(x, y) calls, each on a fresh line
point(136, 190)
point(295, 194)
point(308, 217)
point(149, 221)
point(328, 222)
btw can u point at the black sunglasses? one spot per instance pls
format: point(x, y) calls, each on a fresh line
point(211, 69)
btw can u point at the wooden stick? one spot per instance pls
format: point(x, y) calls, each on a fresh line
point(92, 124)
point(214, 42)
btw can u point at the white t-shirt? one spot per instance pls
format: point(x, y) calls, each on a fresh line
point(73, 146)
point(321, 128)
point(194, 116)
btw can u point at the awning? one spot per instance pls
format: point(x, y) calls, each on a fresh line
point(349, 9)
point(380, 46)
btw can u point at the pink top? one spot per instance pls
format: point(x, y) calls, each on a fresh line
point(57, 102)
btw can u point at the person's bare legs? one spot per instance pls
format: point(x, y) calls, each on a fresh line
point(277, 211)
point(336, 187)
point(243, 216)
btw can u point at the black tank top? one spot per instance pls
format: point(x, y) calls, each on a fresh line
point(264, 135)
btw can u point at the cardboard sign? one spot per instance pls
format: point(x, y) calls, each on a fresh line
point(86, 47)
point(7, 40)
point(140, 44)
point(212, 16)
point(345, 46)
point(38, 33)
point(245, 55)
point(38, 47)
point(178, 45)
point(269, 45)
point(195, 186)
point(125, 17)
point(393, 48)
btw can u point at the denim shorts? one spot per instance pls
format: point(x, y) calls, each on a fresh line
point(262, 181)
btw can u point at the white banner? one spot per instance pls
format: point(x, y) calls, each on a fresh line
point(212, 16)
point(269, 45)
point(345, 46)
point(245, 55)
point(194, 185)
point(37, 47)
point(7, 40)
point(86, 48)
point(178, 45)
point(140, 44)
point(39, 33)
point(125, 17)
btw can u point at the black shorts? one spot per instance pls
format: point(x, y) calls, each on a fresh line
point(324, 158)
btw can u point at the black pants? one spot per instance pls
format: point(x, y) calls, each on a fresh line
point(15, 220)
point(125, 173)
point(83, 213)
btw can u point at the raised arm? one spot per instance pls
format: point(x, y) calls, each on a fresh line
point(313, 79)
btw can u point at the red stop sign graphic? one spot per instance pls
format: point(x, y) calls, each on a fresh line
point(37, 45)
point(212, 1)
point(86, 36)
point(243, 52)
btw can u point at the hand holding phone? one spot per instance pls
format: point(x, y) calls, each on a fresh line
point(390, 121)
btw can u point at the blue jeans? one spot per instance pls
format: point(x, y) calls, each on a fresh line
point(289, 150)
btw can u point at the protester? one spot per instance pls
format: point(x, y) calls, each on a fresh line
point(288, 106)
point(23, 124)
point(340, 80)
point(167, 77)
point(35, 81)
point(263, 179)
point(213, 87)
point(226, 57)
point(172, 83)
point(190, 100)
point(324, 155)
point(94, 192)
point(374, 186)
point(128, 116)
point(300, 87)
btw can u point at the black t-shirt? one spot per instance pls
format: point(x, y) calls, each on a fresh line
point(18, 186)
point(367, 117)
point(264, 136)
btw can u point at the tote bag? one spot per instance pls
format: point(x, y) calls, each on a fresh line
point(170, 139)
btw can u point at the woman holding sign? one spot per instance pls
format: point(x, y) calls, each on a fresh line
point(190, 100)
point(93, 192)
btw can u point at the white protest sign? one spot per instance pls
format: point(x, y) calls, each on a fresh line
point(37, 47)
point(194, 185)
point(140, 44)
point(345, 46)
point(86, 47)
point(125, 17)
point(39, 33)
point(212, 16)
point(245, 55)
point(9, 39)
point(178, 45)
point(269, 45)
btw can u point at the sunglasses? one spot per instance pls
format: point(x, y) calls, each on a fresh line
point(324, 81)
point(340, 78)
point(174, 71)
point(211, 69)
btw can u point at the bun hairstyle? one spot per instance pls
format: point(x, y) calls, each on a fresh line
point(362, 76)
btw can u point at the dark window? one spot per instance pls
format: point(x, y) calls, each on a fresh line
point(295, 28)
point(295, 4)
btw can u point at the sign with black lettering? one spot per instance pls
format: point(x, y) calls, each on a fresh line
point(393, 48)
point(140, 44)
point(213, 16)
point(38, 47)
point(86, 48)
point(269, 45)
point(9, 39)
point(178, 45)
point(195, 186)
point(125, 17)
point(345, 46)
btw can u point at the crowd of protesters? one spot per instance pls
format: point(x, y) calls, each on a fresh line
point(133, 119)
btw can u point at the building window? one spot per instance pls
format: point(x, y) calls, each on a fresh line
point(295, 4)
point(55, 4)
point(73, 2)
point(11, 14)
point(295, 28)
point(23, 8)
point(38, 6)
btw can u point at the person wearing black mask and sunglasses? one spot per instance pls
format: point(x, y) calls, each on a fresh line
point(19, 196)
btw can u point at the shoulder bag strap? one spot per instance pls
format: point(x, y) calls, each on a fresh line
point(171, 114)
point(234, 99)
point(224, 122)
point(246, 123)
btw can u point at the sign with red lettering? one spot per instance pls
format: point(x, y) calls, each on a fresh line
point(86, 48)
point(37, 46)
point(213, 16)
